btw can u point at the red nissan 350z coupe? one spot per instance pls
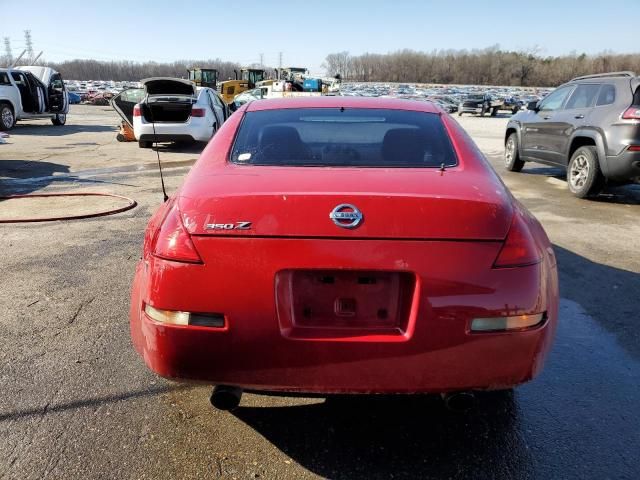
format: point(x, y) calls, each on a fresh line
point(344, 245)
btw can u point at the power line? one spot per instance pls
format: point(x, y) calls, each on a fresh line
point(28, 43)
point(7, 50)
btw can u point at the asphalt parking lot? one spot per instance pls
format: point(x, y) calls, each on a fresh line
point(76, 401)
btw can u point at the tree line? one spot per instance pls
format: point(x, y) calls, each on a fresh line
point(489, 66)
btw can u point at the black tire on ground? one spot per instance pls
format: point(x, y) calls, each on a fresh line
point(60, 119)
point(512, 161)
point(515, 109)
point(494, 112)
point(145, 144)
point(584, 177)
point(459, 114)
point(7, 117)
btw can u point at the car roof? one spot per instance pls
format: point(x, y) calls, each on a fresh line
point(346, 102)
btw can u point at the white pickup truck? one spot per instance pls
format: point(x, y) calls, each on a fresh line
point(32, 92)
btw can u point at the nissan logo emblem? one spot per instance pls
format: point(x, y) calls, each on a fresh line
point(346, 215)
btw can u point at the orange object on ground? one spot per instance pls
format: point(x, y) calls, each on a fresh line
point(126, 133)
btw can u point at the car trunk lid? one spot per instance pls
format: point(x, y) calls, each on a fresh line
point(394, 203)
point(168, 86)
point(168, 99)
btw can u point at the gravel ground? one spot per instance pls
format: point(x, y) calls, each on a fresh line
point(77, 402)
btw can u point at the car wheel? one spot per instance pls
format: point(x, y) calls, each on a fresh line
point(515, 109)
point(7, 118)
point(459, 114)
point(583, 174)
point(144, 144)
point(512, 161)
point(59, 119)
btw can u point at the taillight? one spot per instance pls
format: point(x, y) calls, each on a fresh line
point(519, 248)
point(197, 112)
point(136, 111)
point(173, 242)
point(632, 113)
point(634, 148)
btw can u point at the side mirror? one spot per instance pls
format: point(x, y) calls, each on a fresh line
point(533, 106)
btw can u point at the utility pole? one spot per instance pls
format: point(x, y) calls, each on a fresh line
point(7, 51)
point(262, 60)
point(28, 44)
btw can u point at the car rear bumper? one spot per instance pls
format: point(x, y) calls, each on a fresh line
point(166, 137)
point(624, 167)
point(195, 130)
point(437, 354)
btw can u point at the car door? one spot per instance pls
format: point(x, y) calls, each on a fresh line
point(212, 115)
point(569, 119)
point(57, 96)
point(218, 107)
point(124, 102)
point(26, 97)
point(539, 127)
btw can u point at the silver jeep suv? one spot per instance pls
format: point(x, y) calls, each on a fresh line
point(590, 126)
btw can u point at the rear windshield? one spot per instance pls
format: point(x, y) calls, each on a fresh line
point(343, 137)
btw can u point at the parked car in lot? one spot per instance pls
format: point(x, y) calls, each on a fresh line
point(171, 110)
point(32, 92)
point(480, 103)
point(74, 98)
point(590, 126)
point(344, 244)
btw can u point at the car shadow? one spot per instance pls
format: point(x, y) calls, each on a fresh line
point(619, 194)
point(396, 436)
point(22, 177)
point(555, 172)
point(26, 176)
point(625, 194)
point(608, 294)
point(181, 147)
point(59, 131)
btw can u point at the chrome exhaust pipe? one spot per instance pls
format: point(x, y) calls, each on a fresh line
point(459, 402)
point(226, 397)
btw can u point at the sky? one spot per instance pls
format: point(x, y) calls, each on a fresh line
point(305, 32)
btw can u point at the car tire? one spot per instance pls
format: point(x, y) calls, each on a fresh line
point(145, 144)
point(512, 161)
point(7, 117)
point(584, 177)
point(60, 119)
point(459, 114)
point(494, 112)
point(515, 109)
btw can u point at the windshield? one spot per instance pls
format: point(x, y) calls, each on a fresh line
point(252, 76)
point(343, 137)
point(209, 76)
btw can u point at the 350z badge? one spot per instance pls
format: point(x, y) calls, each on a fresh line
point(228, 226)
